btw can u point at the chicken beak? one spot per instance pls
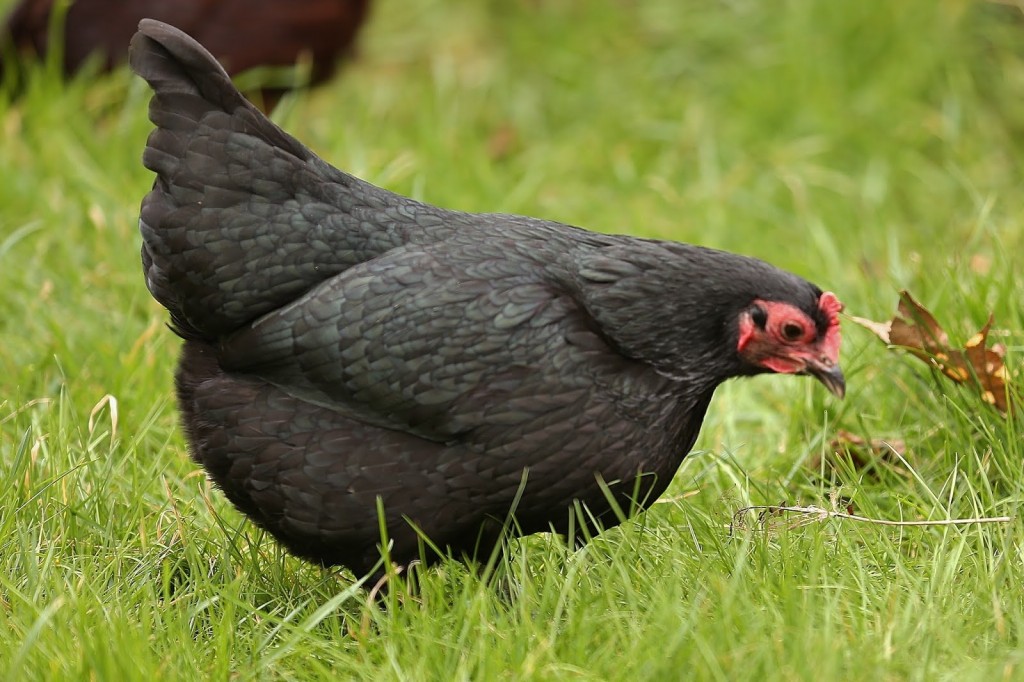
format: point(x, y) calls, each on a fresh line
point(828, 373)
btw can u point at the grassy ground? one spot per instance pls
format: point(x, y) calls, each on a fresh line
point(869, 146)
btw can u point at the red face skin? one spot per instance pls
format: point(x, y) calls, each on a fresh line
point(782, 338)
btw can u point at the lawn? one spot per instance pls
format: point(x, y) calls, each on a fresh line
point(870, 146)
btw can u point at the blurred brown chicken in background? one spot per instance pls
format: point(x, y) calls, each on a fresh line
point(242, 34)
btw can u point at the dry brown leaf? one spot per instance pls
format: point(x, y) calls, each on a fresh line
point(914, 329)
point(862, 453)
point(503, 141)
point(980, 264)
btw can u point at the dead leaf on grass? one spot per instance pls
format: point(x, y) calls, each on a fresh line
point(863, 454)
point(977, 365)
point(503, 142)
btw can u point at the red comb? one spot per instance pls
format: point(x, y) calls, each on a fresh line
point(831, 306)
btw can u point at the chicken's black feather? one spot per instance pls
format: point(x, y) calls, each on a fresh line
point(346, 345)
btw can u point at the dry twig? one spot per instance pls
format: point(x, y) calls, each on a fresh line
point(812, 513)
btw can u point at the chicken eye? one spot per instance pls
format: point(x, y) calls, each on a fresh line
point(792, 331)
point(759, 316)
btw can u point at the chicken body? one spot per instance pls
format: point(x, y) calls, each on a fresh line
point(348, 350)
point(244, 34)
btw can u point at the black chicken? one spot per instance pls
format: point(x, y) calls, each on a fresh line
point(242, 33)
point(347, 347)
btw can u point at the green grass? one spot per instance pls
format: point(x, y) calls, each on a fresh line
point(869, 146)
